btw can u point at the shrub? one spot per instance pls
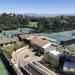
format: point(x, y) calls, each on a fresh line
point(9, 50)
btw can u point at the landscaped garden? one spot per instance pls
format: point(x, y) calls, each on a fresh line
point(9, 49)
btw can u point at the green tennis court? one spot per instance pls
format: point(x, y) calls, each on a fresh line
point(3, 70)
point(61, 36)
point(25, 30)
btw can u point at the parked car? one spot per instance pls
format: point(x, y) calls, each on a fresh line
point(37, 53)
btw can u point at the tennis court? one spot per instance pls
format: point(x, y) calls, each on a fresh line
point(13, 32)
point(25, 30)
point(61, 36)
point(3, 70)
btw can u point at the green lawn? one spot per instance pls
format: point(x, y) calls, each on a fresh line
point(72, 49)
point(32, 24)
point(3, 70)
point(72, 46)
point(60, 48)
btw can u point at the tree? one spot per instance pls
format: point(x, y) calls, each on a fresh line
point(51, 61)
point(40, 26)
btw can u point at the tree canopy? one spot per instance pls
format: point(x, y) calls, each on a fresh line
point(58, 23)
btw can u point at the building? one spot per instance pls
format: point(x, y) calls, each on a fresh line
point(35, 68)
point(26, 37)
point(55, 54)
point(69, 68)
point(8, 41)
point(73, 59)
point(42, 45)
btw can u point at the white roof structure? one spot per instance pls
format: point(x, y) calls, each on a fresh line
point(55, 54)
point(30, 38)
point(47, 45)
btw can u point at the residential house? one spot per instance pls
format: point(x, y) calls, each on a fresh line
point(26, 37)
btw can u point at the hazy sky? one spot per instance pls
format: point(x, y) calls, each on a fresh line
point(38, 6)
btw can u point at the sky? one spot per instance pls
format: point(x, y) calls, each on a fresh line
point(38, 6)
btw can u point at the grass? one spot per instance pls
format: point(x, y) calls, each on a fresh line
point(72, 46)
point(9, 50)
point(33, 24)
point(60, 48)
point(72, 49)
point(3, 70)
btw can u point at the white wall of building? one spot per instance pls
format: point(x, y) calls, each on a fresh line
point(55, 54)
